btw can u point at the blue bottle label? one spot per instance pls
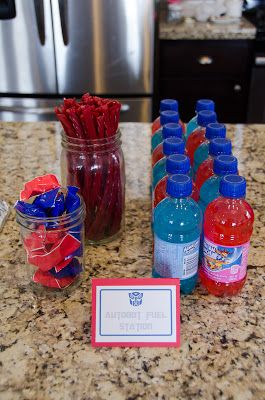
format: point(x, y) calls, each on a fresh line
point(176, 260)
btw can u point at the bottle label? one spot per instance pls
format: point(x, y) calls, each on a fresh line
point(176, 260)
point(224, 264)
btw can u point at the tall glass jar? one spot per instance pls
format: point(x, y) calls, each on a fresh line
point(54, 249)
point(97, 168)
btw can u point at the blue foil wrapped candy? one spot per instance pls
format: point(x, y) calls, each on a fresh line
point(46, 200)
point(30, 209)
point(72, 269)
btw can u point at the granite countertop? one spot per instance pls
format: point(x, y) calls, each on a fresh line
point(45, 350)
point(189, 29)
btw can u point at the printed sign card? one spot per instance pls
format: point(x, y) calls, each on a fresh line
point(135, 312)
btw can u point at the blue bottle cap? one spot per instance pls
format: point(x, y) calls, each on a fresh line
point(179, 185)
point(178, 164)
point(173, 145)
point(205, 104)
point(169, 104)
point(169, 116)
point(219, 146)
point(215, 130)
point(233, 186)
point(205, 117)
point(225, 165)
point(171, 129)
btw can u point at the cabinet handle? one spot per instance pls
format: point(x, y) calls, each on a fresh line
point(205, 60)
point(260, 60)
point(125, 107)
point(237, 88)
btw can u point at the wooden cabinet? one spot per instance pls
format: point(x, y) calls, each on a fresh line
point(218, 69)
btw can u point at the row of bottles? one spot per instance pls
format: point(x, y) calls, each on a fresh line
point(201, 221)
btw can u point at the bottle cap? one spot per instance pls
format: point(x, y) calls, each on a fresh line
point(171, 129)
point(169, 104)
point(169, 116)
point(219, 146)
point(177, 164)
point(225, 165)
point(205, 104)
point(215, 130)
point(179, 185)
point(205, 117)
point(233, 186)
point(173, 145)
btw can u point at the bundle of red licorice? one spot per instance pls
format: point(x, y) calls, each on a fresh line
point(94, 161)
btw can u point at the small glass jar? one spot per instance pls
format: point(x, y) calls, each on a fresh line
point(54, 250)
point(97, 168)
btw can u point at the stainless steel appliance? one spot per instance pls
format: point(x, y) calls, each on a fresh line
point(55, 48)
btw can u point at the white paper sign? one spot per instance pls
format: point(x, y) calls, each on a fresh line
point(135, 312)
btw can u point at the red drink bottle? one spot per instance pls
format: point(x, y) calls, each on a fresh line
point(175, 164)
point(165, 105)
point(197, 137)
point(217, 147)
point(228, 225)
point(168, 130)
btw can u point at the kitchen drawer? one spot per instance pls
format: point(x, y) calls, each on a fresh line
point(207, 57)
point(230, 96)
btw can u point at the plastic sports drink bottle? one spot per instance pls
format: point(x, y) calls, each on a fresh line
point(213, 130)
point(217, 147)
point(175, 164)
point(202, 104)
point(228, 225)
point(168, 130)
point(198, 136)
point(177, 229)
point(222, 165)
point(165, 118)
point(172, 145)
point(165, 105)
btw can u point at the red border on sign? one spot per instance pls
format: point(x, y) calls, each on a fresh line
point(134, 282)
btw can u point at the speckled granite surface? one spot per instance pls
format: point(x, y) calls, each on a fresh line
point(191, 30)
point(45, 351)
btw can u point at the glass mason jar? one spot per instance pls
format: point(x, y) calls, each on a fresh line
point(97, 168)
point(54, 250)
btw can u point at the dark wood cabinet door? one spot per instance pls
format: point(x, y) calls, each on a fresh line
point(230, 96)
point(217, 69)
point(202, 58)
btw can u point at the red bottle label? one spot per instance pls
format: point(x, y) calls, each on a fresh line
point(224, 264)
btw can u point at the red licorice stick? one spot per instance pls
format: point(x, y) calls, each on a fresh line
point(113, 200)
point(69, 103)
point(77, 125)
point(97, 184)
point(81, 117)
point(89, 123)
point(94, 197)
point(116, 217)
point(97, 174)
point(67, 126)
point(88, 187)
point(120, 200)
point(98, 225)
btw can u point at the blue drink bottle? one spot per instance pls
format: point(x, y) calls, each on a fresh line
point(202, 104)
point(213, 130)
point(177, 229)
point(172, 145)
point(166, 117)
point(222, 165)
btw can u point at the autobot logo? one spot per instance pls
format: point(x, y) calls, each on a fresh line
point(136, 298)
